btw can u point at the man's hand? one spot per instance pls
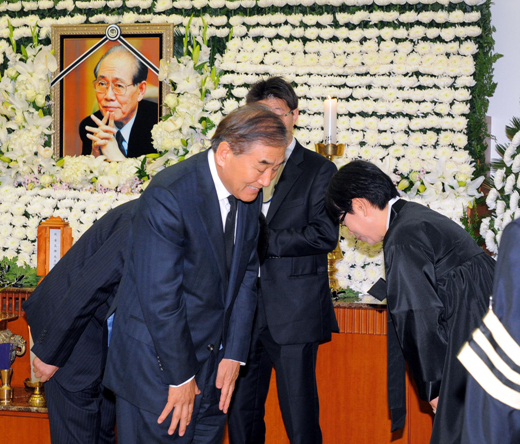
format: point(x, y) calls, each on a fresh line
point(43, 371)
point(181, 399)
point(434, 403)
point(103, 136)
point(226, 376)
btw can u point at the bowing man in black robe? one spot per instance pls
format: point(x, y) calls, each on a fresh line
point(492, 356)
point(438, 282)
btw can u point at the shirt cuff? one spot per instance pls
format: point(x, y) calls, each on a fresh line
point(240, 362)
point(185, 382)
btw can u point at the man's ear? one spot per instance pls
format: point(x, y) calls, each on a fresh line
point(295, 115)
point(222, 154)
point(142, 89)
point(359, 205)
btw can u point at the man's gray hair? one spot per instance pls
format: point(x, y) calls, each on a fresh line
point(250, 124)
point(141, 70)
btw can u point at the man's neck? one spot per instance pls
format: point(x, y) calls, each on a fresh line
point(120, 124)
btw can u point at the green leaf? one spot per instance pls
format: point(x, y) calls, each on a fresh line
point(13, 275)
point(11, 36)
point(513, 128)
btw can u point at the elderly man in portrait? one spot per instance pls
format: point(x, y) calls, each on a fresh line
point(122, 127)
point(188, 293)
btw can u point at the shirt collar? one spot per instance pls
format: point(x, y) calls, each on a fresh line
point(125, 131)
point(222, 192)
point(290, 149)
point(390, 203)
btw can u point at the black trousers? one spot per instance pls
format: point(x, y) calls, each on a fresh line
point(295, 367)
point(87, 416)
point(137, 426)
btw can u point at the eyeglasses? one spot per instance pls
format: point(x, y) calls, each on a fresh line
point(119, 88)
point(283, 115)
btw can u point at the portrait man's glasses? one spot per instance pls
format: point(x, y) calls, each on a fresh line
point(119, 88)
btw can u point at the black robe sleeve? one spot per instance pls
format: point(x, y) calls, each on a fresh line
point(416, 308)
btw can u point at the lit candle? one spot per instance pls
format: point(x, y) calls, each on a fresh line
point(31, 343)
point(330, 115)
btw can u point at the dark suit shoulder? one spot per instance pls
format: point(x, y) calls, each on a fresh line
point(148, 107)
point(174, 173)
point(314, 160)
point(421, 226)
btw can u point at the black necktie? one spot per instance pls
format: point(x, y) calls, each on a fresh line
point(120, 139)
point(229, 230)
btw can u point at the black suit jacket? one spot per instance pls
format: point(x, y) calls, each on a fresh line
point(295, 284)
point(67, 310)
point(140, 142)
point(179, 305)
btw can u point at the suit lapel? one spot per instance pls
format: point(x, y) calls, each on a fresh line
point(209, 212)
point(290, 175)
point(133, 140)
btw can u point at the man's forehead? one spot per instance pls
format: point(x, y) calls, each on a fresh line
point(274, 102)
point(122, 65)
point(106, 76)
point(277, 161)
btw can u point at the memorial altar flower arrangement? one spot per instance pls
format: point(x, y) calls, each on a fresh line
point(504, 195)
point(22, 210)
point(405, 72)
point(24, 110)
point(191, 120)
point(26, 155)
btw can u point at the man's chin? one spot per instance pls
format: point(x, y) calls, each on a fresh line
point(248, 195)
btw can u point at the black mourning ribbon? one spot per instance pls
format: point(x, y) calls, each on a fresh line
point(120, 139)
point(229, 230)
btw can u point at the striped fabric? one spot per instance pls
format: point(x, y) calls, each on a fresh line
point(492, 357)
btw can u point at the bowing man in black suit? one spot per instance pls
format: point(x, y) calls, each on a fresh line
point(66, 314)
point(295, 311)
point(184, 324)
point(124, 121)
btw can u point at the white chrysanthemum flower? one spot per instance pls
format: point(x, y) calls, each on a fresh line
point(404, 166)
point(509, 184)
point(415, 139)
point(498, 179)
point(492, 198)
point(500, 208)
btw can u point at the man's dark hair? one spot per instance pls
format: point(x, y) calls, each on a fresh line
point(358, 179)
point(248, 125)
point(273, 88)
point(141, 70)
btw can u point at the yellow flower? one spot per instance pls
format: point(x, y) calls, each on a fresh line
point(404, 184)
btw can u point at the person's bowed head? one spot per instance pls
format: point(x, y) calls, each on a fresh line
point(358, 197)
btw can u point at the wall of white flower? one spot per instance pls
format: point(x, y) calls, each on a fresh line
point(411, 78)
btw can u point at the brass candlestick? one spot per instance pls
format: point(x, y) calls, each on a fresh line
point(37, 399)
point(330, 151)
point(6, 391)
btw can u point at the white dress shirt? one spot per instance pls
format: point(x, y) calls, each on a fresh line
point(125, 132)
